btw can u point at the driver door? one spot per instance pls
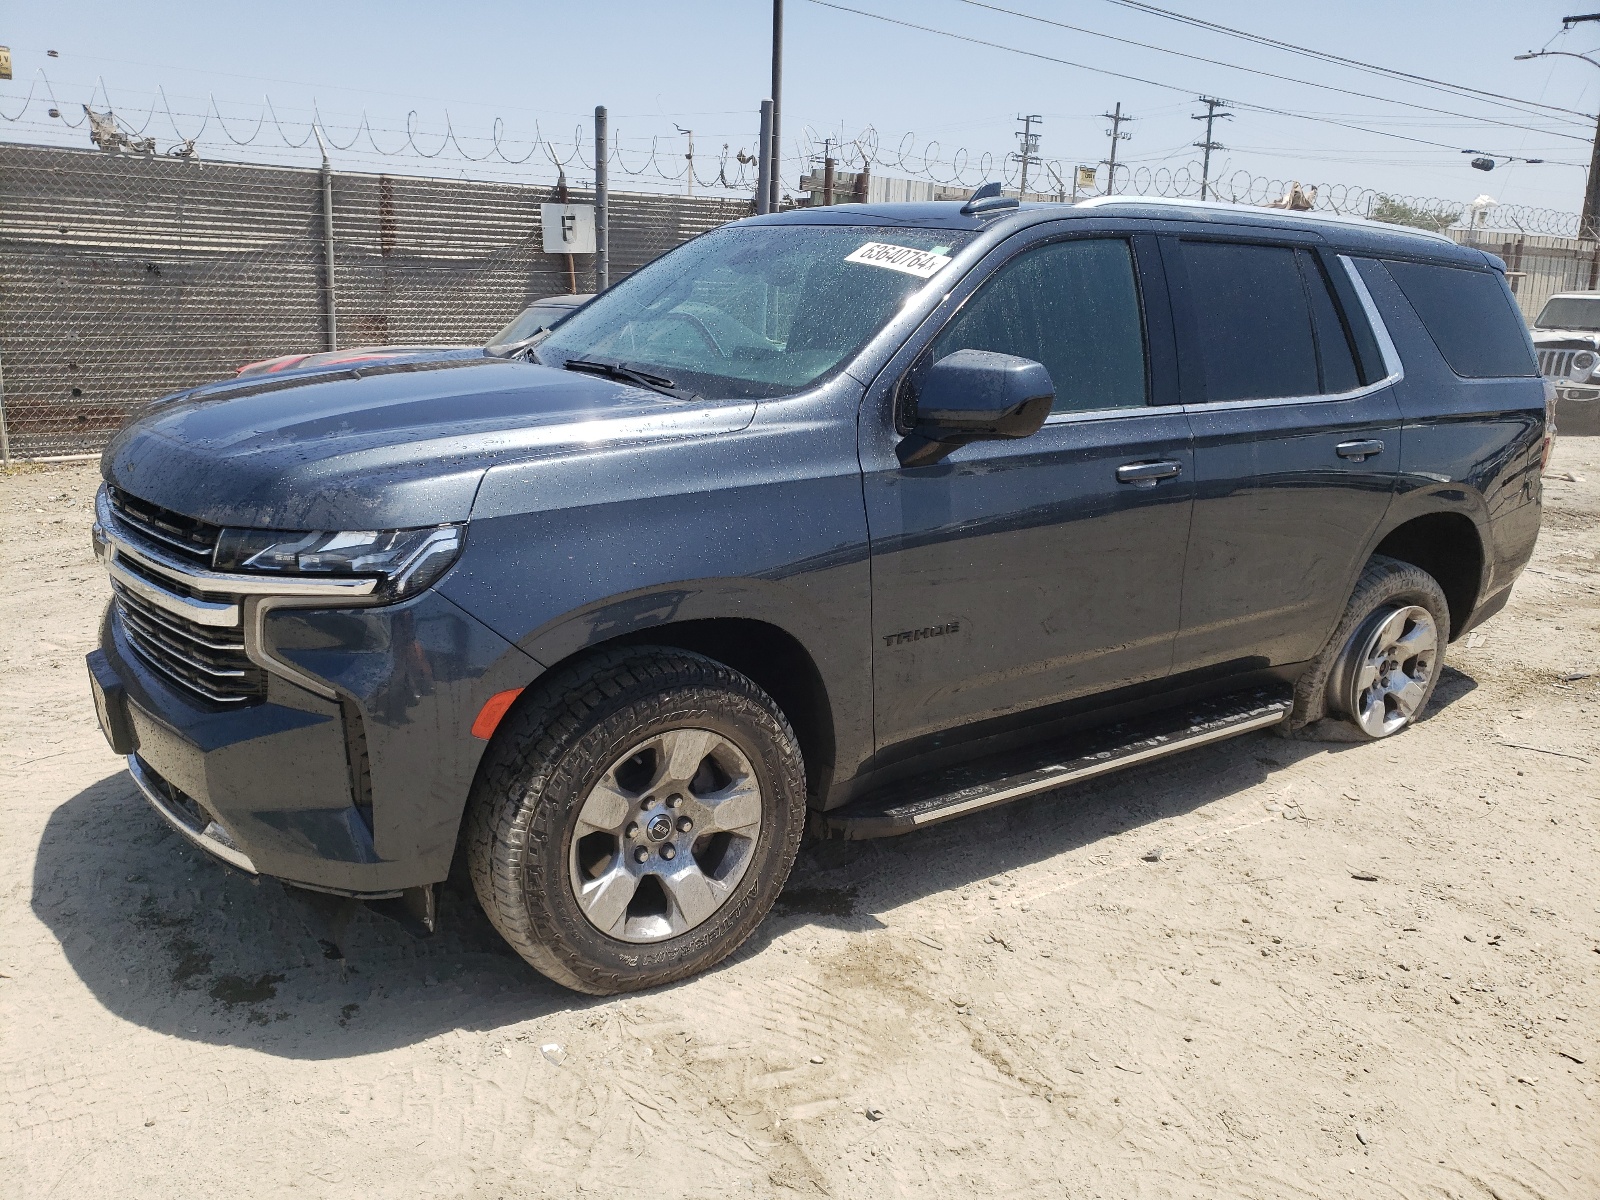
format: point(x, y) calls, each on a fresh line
point(1014, 575)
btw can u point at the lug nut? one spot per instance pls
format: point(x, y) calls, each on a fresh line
point(633, 829)
point(684, 824)
point(641, 855)
point(668, 853)
point(674, 800)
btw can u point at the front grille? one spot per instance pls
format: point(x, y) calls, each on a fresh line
point(202, 659)
point(195, 539)
point(1555, 363)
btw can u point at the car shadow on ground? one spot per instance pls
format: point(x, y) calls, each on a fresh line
point(171, 940)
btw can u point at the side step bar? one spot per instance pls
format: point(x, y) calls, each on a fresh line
point(956, 793)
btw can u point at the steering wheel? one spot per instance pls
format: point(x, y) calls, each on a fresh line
point(699, 327)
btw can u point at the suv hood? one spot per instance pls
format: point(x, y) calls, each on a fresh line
point(386, 446)
point(1565, 339)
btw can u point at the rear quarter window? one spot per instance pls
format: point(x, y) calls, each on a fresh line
point(1470, 316)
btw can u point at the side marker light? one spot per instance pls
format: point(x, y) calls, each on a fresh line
point(493, 709)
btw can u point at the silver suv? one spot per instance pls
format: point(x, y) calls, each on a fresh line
point(1567, 339)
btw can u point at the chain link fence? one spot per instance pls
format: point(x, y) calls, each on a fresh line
point(125, 277)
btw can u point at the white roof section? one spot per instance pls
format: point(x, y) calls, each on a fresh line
point(1224, 206)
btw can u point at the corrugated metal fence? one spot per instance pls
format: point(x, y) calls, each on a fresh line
point(123, 278)
point(1539, 266)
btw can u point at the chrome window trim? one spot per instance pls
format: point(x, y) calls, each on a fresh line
point(1391, 357)
point(1391, 361)
point(1073, 416)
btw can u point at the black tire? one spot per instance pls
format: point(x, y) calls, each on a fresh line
point(557, 744)
point(1386, 587)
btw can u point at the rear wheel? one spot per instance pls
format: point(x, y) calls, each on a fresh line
point(1378, 670)
point(635, 819)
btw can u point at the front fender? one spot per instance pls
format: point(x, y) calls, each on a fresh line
point(765, 524)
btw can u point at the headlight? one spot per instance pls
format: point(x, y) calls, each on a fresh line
point(407, 560)
point(1583, 362)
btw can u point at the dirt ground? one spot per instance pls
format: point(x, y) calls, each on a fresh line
point(1354, 970)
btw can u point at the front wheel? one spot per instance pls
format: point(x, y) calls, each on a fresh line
point(635, 819)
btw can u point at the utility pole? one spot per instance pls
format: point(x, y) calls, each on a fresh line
point(1211, 116)
point(602, 201)
point(775, 151)
point(1029, 141)
point(1116, 135)
point(764, 161)
point(827, 172)
point(1589, 219)
point(690, 155)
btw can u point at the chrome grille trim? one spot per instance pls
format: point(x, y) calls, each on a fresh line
point(175, 625)
point(1555, 363)
point(156, 586)
point(197, 539)
point(201, 612)
point(187, 654)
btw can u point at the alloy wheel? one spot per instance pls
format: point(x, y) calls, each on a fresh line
point(1391, 668)
point(665, 835)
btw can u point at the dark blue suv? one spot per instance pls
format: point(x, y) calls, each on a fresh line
point(868, 515)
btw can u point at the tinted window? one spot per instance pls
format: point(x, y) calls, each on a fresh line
point(1254, 321)
point(1073, 306)
point(1470, 316)
point(1334, 354)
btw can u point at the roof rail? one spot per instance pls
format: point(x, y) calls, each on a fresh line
point(1230, 207)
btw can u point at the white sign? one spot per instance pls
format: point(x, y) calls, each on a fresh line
point(568, 228)
point(921, 263)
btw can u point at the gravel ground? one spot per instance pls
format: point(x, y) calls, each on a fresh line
point(1352, 970)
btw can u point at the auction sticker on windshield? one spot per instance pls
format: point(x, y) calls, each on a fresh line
point(922, 263)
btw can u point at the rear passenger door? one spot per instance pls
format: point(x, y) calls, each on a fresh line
point(1297, 445)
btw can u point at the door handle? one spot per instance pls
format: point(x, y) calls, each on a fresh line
point(1359, 451)
point(1148, 474)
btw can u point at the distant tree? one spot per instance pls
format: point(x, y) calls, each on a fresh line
point(1398, 212)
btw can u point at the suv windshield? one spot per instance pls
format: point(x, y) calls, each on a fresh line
point(755, 310)
point(1571, 312)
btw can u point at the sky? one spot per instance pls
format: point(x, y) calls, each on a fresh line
point(521, 81)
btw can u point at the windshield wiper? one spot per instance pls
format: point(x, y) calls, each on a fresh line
point(630, 374)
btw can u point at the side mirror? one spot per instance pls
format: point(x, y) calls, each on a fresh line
point(976, 395)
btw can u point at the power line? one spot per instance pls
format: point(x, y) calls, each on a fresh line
point(1323, 55)
point(1217, 62)
point(1169, 87)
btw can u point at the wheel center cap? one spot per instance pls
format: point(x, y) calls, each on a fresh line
point(659, 827)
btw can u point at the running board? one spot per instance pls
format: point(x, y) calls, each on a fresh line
point(955, 793)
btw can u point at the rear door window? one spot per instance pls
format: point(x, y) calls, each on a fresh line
point(1335, 355)
point(1470, 316)
point(1256, 340)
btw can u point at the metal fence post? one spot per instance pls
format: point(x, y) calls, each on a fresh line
point(602, 197)
point(330, 295)
point(764, 161)
point(5, 436)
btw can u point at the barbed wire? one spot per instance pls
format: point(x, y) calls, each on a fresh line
point(735, 169)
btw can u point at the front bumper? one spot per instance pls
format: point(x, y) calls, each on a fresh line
point(357, 788)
